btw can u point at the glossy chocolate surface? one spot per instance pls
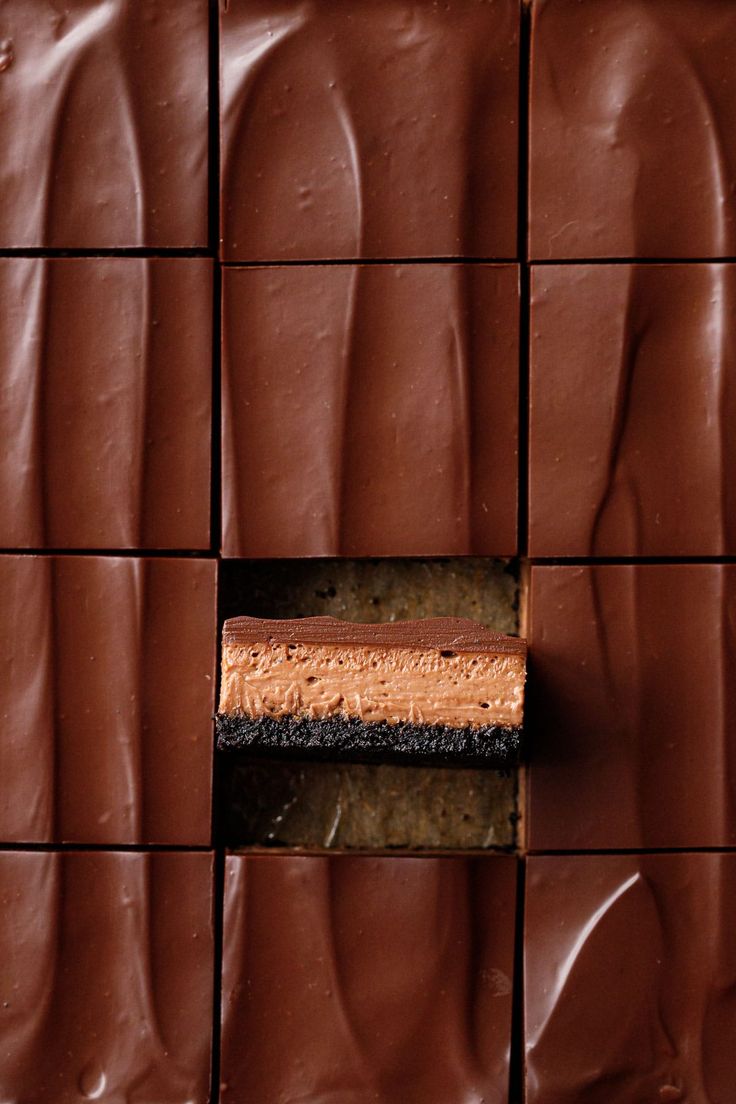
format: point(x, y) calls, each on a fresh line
point(105, 372)
point(633, 129)
point(367, 979)
point(107, 697)
point(630, 969)
point(106, 983)
point(364, 129)
point(633, 410)
point(632, 707)
point(457, 633)
point(370, 410)
point(103, 124)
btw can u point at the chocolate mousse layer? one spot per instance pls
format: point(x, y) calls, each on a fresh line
point(440, 689)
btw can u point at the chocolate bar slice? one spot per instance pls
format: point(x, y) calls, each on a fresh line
point(106, 980)
point(367, 979)
point(88, 753)
point(629, 976)
point(363, 129)
point(444, 689)
point(435, 477)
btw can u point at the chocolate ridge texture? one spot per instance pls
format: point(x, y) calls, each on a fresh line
point(633, 706)
point(106, 414)
point(641, 359)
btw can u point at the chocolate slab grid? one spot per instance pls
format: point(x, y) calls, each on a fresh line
point(654, 904)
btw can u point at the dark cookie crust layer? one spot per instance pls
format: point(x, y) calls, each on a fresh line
point(350, 738)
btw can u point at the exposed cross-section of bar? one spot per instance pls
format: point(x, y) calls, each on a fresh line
point(441, 690)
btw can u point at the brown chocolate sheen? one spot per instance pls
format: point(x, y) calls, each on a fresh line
point(633, 129)
point(370, 410)
point(106, 985)
point(632, 706)
point(105, 370)
point(102, 742)
point(633, 410)
point(456, 633)
point(363, 129)
point(103, 124)
point(369, 980)
point(629, 974)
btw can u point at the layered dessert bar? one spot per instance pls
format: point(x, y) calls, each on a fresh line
point(440, 689)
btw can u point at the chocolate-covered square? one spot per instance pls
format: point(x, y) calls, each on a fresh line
point(629, 974)
point(106, 378)
point(633, 129)
point(370, 410)
point(633, 410)
point(632, 707)
point(107, 696)
point(106, 982)
point(362, 129)
point(103, 124)
point(370, 980)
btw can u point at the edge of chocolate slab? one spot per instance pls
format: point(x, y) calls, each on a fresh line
point(350, 738)
point(445, 633)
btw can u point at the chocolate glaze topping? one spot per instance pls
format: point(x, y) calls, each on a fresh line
point(632, 707)
point(453, 633)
